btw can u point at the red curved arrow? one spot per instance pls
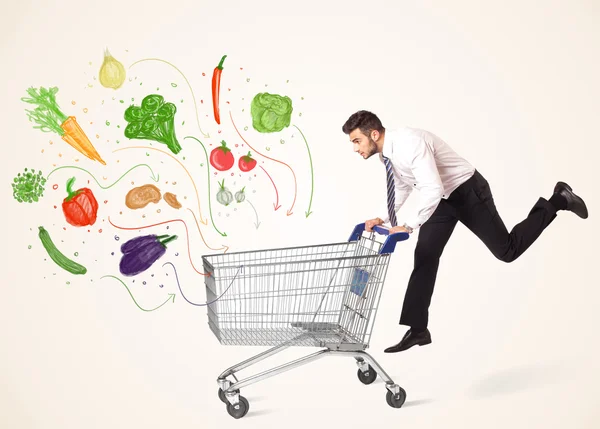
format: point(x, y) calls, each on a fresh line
point(162, 223)
point(276, 203)
point(289, 212)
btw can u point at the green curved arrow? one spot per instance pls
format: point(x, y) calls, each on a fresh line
point(209, 194)
point(312, 176)
point(171, 295)
point(154, 177)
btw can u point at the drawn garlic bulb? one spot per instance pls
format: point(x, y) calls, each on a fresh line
point(240, 195)
point(112, 72)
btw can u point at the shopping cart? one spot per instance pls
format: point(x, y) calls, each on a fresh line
point(316, 296)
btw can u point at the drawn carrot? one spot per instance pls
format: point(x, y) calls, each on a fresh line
point(49, 117)
point(216, 89)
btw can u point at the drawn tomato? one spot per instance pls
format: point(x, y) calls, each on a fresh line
point(221, 157)
point(247, 163)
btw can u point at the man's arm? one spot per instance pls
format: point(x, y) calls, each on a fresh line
point(426, 174)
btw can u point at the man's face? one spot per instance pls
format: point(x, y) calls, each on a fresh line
point(363, 144)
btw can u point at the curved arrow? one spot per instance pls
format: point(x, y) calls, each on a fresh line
point(208, 303)
point(209, 194)
point(186, 81)
point(196, 220)
point(289, 212)
point(187, 234)
point(276, 203)
point(257, 223)
point(171, 295)
point(205, 222)
point(154, 177)
point(312, 176)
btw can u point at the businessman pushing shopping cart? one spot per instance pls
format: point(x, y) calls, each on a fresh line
point(314, 296)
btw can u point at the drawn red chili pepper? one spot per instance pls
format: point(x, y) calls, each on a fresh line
point(216, 89)
point(80, 206)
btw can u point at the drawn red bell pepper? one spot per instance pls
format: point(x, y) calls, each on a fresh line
point(79, 207)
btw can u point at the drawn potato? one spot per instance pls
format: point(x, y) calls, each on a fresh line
point(141, 196)
point(171, 200)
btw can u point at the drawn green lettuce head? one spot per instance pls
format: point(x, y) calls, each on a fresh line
point(271, 112)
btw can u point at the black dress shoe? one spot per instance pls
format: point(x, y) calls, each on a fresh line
point(574, 203)
point(411, 339)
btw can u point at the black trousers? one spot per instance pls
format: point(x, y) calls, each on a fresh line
point(472, 204)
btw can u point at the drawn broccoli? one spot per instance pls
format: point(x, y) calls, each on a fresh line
point(154, 120)
point(271, 112)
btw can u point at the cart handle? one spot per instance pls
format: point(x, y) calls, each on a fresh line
point(390, 242)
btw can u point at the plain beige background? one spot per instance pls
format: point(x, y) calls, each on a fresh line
point(512, 86)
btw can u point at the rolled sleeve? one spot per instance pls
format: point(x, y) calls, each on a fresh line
point(426, 174)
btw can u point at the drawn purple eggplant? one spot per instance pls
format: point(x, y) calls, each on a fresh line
point(140, 253)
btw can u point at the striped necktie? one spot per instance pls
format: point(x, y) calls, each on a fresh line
point(391, 203)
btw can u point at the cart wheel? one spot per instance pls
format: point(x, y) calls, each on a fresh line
point(367, 377)
point(396, 401)
point(222, 395)
point(238, 410)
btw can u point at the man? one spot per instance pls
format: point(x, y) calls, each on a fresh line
point(451, 190)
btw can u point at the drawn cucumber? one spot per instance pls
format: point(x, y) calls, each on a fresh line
point(60, 259)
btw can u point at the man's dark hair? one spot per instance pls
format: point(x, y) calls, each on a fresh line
point(365, 121)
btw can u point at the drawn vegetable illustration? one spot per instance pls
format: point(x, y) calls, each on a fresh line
point(154, 120)
point(171, 200)
point(56, 255)
point(247, 163)
point(270, 112)
point(28, 187)
point(49, 118)
point(221, 157)
point(79, 207)
point(240, 195)
point(141, 252)
point(224, 196)
point(216, 89)
point(141, 196)
point(112, 72)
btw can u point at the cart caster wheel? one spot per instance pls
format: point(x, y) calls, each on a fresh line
point(222, 396)
point(367, 377)
point(396, 401)
point(238, 410)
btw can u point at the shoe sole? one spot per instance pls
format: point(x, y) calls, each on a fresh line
point(424, 343)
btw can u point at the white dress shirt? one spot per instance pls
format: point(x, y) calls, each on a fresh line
point(421, 160)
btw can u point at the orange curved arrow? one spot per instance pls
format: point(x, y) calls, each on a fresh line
point(196, 220)
point(205, 221)
point(289, 212)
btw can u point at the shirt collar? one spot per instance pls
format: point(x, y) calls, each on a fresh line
point(388, 145)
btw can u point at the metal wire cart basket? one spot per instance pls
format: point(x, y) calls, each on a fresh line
point(315, 296)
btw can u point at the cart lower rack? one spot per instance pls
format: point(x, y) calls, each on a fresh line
point(313, 296)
